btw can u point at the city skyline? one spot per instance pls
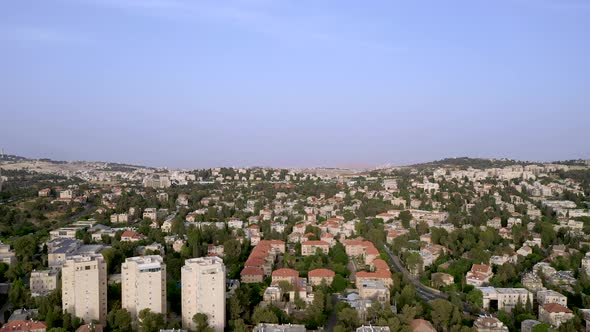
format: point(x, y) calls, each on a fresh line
point(193, 84)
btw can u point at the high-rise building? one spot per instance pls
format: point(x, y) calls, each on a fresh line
point(143, 284)
point(203, 291)
point(84, 287)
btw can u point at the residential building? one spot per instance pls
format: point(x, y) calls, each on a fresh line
point(43, 282)
point(203, 291)
point(263, 327)
point(504, 298)
point(479, 275)
point(317, 276)
point(7, 256)
point(532, 282)
point(374, 290)
point(119, 218)
point(554, 314)
point(372, 328)
point(143, 284)
point(84, 287)
point(441, 279)
point(489, 324)
point(64, 232)
point(285, 274)
point(24, 326)
point(310, 247)
point(551, 296)
point(131, 236)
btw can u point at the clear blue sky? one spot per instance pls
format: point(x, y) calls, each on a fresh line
point(189, 83)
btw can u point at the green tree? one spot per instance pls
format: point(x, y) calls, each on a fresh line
point(18, 294)
point(202, 323)
point(405, 217)
point(150, 321)
point(264, 315)
point(349, 318)
point(119, 320)
point(444, 314)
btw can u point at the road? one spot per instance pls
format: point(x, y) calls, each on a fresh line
point(424, 292)
point(75, 217)
point(333, 318)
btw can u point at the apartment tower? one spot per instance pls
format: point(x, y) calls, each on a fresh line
point(84, 287)
point(203, 291)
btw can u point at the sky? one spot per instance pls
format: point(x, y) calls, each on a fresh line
point(294, 83)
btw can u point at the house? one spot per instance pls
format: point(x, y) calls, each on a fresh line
point(119, 218)
point(532, 282)
point(550, 296)
point(373, 290)
point(372, 328)
point(7, 256)
point(24, 326)
point(317, 276)
point(480, 274)
point(310, 247)
point(182, 200)
point(263, 327)
point(213, 250)
point(150, 213)
point(131, 236)
point(44, 192)
point(489, 324)
point(285, 274)
point(441, 279)
point(554, 314)
point(380, 272)
point(524, 251)
point(251, 275)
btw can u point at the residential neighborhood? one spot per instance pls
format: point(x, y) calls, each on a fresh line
point(434, 247)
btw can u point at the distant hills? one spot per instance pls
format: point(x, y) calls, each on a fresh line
point(463, 162)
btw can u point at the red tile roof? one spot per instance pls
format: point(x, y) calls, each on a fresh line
point(323, 273)
point(556, 308)
point(23, 325)
point(315, 243)
point(285, 272)
point(252, 271)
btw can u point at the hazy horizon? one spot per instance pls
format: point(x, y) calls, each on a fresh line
point(194, 84)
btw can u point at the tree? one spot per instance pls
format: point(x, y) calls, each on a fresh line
point(338, 283)
point(119, 320)
point(239, 325)
point(150, 321)
point(17, 294)
point(349, 318)
point(422, 228)
point(264, 315)
point(407, 296)
point(414, 262)
point(405, 217)
point(232, 249)
point(202, 323)
point(475, 296)
point(444, 314)
point(25, 247)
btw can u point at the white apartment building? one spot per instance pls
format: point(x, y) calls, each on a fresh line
point(7, 256)
point(43, 282)
point(203, 291)
point(143, 284)
point(84, 287)
point(504, 298)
